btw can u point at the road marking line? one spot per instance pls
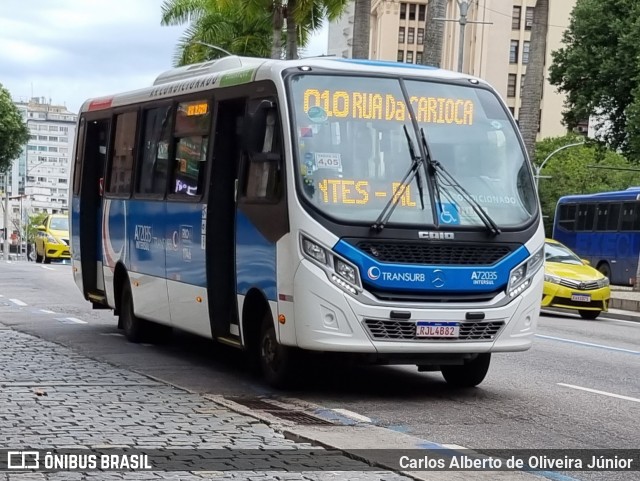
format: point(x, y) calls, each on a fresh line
point(47, 311)
point(47, 267)
point(18, 302)
point(76, 320)
point(352, 415)
point(111, 334)
point(454, 446)
point(604, 393)
point(590, 344)
point(613, 319)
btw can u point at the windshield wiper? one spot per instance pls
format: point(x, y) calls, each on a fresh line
point(392, 203)
point(436, 169)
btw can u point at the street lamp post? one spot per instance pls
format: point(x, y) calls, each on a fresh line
point(538, 168)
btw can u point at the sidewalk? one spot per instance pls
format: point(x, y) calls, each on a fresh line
point(53, 398)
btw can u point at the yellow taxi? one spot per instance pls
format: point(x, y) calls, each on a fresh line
point(52, 240)
point(570, 283)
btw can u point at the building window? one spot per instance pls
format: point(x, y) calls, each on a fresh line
point(419, 57)
point(420, 36)
point(53, 139)
point(511, 85)
point(401, 35)
point(412, 11)
point(411, 36)
point(516, 16)
point(53, 128)
point(512, 110)
point(43, 137)
point(409, 57)
point(513, 52)
point(528, 19)
point(521, 84)
point(525, 51)
point(403, 11)
point(400, 55)
point(422, 9)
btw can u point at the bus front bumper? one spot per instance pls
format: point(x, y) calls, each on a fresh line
point(327, 319)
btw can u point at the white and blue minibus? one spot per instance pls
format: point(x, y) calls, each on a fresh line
point(367, 208)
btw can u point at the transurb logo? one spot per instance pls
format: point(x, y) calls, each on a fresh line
point(373, 273)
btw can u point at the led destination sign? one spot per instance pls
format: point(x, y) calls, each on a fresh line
point(376, 106)
point(346, 191)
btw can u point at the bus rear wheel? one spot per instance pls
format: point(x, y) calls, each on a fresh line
point(469, 374)
point(132, 325)
point(277, 362)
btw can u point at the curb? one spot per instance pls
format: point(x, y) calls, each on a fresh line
point(632, 305)
point(616, 314)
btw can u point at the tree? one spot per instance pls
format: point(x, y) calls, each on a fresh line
point(570, 173)
point(34, 221)
point(225, 24)
point(13, 131)
point(598, 70)
point(434, 33)
point(529, 118)
point(361, 29)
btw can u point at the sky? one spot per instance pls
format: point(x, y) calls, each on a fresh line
point(72, 50)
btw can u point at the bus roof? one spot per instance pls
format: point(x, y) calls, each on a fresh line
point(632, 193)
point(233, 70)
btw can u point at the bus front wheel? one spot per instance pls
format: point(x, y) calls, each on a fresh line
point(605, 270)
point(132, 325)
point(469, 374)
point(276, 361)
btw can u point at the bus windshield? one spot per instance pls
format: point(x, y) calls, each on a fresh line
point(352, 150)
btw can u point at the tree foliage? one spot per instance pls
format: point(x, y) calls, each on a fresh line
point(598, 69)
point(13, 130)
point(570, 172)
point(35, 220)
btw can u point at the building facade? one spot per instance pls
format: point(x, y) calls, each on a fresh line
point(495, 49)
point(39, 179)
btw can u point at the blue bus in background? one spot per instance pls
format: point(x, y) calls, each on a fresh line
point(603, 228)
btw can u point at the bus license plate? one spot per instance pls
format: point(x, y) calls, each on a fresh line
point(581, 297)
point(437, 329)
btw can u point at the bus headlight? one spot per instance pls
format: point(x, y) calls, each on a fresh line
point(520, 276)
point(340, 272)
point(314, 251)
point(346, 271)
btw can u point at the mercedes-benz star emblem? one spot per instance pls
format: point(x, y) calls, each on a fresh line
point(438, 278)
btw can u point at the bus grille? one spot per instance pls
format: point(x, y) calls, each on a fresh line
point(434, 254)
point(401, 330)
point(583, 286)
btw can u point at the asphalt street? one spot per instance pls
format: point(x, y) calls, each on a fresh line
point(578, 387)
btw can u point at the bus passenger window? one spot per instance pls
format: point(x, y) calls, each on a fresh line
point(263, 177)
point(122, 159)
point(152, 177)
point(191, 137)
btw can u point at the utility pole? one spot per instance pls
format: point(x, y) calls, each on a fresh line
point(463, 5)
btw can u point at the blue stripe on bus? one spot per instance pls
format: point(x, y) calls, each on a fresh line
point(424, 278)
point(255, 259)
point(386, 63)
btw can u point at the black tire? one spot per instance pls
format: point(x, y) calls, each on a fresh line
point(132, 325)
point(590, 315)
point(469, 374)
point(277, 362)
point(605, 269)
point(45, 259)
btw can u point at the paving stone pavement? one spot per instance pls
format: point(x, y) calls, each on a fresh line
point(52, 397)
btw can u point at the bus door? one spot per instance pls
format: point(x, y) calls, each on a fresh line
point(261, 213)
point(89, 220)
point(221, 219)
